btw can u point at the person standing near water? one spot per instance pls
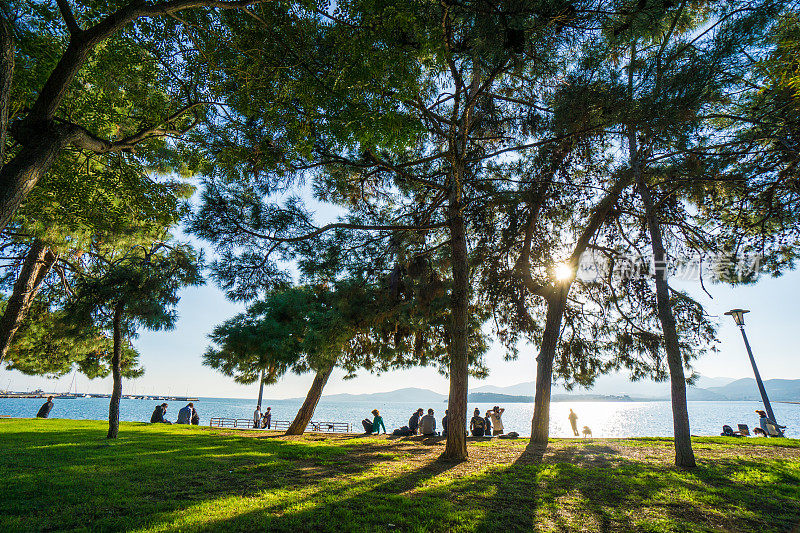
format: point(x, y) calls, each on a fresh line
point(573, 420)
point(266, 421)
point(497, 421)
point(44, 410)
point(377, 422)
point(257, 417)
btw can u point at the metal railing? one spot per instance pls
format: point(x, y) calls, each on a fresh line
point(281, 425)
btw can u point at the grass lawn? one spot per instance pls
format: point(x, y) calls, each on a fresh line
point(64, 475)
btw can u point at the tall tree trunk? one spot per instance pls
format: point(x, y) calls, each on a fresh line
point(306, 411)
point(37, 264)
point(684, 455)
point(260, 388)
point(116, 371)
point(456, 446)
point(540, 425)
point(556, 304)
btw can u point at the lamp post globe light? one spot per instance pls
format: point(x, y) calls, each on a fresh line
point(738, 318)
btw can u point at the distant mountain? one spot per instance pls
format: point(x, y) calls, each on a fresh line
point(520, 389)
point(706, 389)
point(411, 394)
point(746, 389)
point(493, 397)
point(608, 388)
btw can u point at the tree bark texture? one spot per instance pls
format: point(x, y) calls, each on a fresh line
point(6, 74)
point(684, 455)
point(456, 446)
point(37, 264)
point(540, 425)
point(306, 411)
point(116, 372)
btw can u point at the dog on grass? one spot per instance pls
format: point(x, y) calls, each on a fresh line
point(587, 432)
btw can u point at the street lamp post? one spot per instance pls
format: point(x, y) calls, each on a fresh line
point(738, 317)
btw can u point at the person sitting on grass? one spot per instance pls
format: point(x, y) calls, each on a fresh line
point(377, 422)
point(158, 415)
point(427, 426)
point(195, 417)
point(413, 422)
point(185, 414)
point(477, 425)
point(44, 410)
point(488, 428)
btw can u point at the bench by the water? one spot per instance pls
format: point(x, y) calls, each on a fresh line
point(282, 425)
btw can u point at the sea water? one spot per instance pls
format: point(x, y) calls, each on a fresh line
point(606, 419)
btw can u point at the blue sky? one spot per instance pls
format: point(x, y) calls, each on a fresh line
point(173, 358)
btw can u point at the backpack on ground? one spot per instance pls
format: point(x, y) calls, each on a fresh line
point(404, 431)
point(727, 431)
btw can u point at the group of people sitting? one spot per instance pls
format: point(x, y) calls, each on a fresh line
point(425, 424)
point(186, 415)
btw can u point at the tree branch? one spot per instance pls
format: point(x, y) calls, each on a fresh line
point(69, 17)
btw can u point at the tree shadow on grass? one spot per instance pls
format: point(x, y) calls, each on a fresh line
point(125, 484)
point(594, 488)
point(163, 479)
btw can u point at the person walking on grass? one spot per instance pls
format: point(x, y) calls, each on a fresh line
point(477, 425)
point(427, 426)
point(573, 420)
point(377, 422)
point(44, 410)
point(185, 414)
point(497, 421)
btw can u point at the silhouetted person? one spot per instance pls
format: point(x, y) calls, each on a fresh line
point(488, 420)
point(444, 424)
point(185, 414)
point(573, 420)
point(413, 422)
point(44, 410)
point(477, 425)
point(195, 417)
